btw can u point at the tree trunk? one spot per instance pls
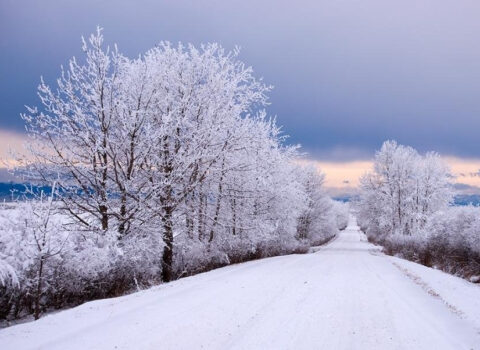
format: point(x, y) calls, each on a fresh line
point(167, 259)
point(123, 214)
point(217, 207)
point(39, 290)
point(189, 216)
point(234, 217)
point(103, 213)
point(202, 212)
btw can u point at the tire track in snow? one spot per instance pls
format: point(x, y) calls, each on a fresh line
point(424, 285)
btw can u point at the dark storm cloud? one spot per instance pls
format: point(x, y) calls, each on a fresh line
point(347, 74)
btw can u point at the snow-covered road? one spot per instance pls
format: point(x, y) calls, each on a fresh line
point(345, 296)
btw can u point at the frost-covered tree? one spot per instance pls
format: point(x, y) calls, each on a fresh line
point(71, 135)
point(42, 240)
point(403, 189)
point(32, 237)
point(404, 206)
point(201, 96)
point(130, 140)
point(319, 219)
point(164, 165)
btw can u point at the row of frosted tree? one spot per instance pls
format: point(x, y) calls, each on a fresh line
point(159, 167)
point(406, 205)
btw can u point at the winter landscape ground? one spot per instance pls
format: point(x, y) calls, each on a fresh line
point(345, 295)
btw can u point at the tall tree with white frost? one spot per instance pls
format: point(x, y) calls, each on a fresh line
point(71, 136)
point(200, 97)
point(403, 189)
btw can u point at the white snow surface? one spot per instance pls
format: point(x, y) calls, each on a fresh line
point(346, 295)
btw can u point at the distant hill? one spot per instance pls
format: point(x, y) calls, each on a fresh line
point(9, 189)
point(13, 190)
point(345, 198)
point(466, 199)
point(458, 200)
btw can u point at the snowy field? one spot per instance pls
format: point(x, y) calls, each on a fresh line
point(347, 295)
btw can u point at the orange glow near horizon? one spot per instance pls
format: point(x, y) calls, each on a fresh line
point(465, 170)
point(347, 174)
point(337, 174)
point(10, 142)
point(340, 174)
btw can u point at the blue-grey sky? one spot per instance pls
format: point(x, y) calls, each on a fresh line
point(347, 74)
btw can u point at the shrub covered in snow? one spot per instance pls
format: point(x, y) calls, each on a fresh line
point(318, 221)
point(342, 214)
point(450, 241)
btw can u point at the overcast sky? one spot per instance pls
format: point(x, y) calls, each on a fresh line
point(347, 74)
